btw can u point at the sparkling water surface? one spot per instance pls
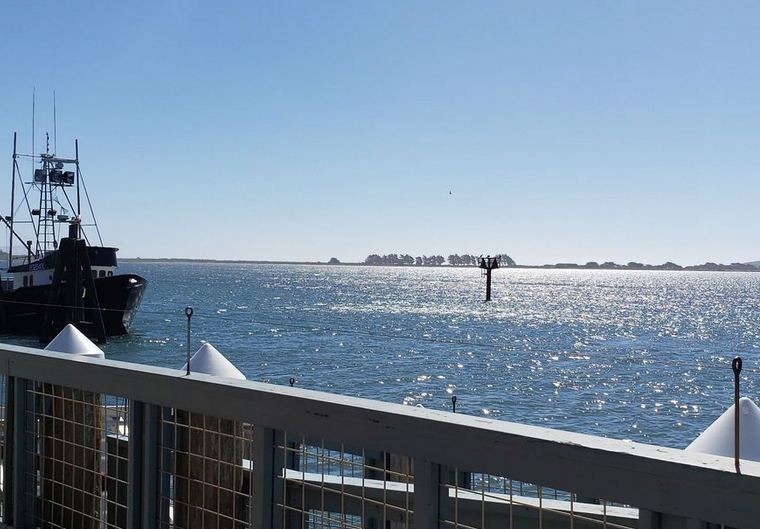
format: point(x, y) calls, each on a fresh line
point(638, 355)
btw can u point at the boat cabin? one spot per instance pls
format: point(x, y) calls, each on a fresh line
point(37, 273)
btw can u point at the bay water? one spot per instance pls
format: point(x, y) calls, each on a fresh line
point(640, 355)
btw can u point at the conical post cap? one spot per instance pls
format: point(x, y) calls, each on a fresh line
point(71, 340)
point(210, 361)
point(718, 438)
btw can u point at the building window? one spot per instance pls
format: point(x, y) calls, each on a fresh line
point(31, 280)
point(26, 281)
point(110, 273)
point(94, 274)
point(102, 273)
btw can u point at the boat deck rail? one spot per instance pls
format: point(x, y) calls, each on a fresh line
point(100, 443)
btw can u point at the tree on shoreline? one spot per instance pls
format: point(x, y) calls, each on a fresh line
point(394, 259)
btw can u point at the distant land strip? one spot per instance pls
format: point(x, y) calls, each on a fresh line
point(467, 260)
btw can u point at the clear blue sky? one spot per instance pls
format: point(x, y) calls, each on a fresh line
point(566, 131)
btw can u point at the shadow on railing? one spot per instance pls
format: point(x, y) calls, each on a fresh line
point(96, 443)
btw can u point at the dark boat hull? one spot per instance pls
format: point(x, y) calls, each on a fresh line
point(22, 311)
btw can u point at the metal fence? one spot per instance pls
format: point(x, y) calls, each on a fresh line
point(104, 444)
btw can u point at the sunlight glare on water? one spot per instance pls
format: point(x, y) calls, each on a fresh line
point(627, 354)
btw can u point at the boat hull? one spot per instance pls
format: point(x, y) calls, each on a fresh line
point(22, 311)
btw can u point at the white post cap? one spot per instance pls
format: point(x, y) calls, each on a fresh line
point(71, 340)
point(718, 438)
point(211, 362)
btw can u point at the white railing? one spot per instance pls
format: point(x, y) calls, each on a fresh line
point(98, 443)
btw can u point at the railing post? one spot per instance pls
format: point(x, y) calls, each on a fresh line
point(149, 496)
point(165, 424)
point(8, 444)
point(267, 464)
point(135, 454)
point(428, 491)
point(16, 456)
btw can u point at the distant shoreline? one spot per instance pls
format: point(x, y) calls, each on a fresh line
point(706, 267)
point(219, 261)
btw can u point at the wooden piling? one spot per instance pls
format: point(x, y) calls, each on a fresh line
point(69, 457)
point(70, 441)
point(209, 486)
point(72, 296)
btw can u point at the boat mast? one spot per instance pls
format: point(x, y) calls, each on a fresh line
point(41, 227)
point(79, 176)
point(13, 195)
point(10, 220)
point(47, 178)
point(34, 100)
point(55, 127)
point(43, 201)
point(46, 214)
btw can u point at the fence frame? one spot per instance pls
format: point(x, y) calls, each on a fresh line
point(663, 480)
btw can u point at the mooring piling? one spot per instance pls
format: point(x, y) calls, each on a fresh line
point(488, 264)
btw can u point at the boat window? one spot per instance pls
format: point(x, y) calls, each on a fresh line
point(102, 273)
point(26, 281)
point(110, 273)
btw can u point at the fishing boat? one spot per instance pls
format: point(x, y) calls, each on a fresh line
point(59, 271)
